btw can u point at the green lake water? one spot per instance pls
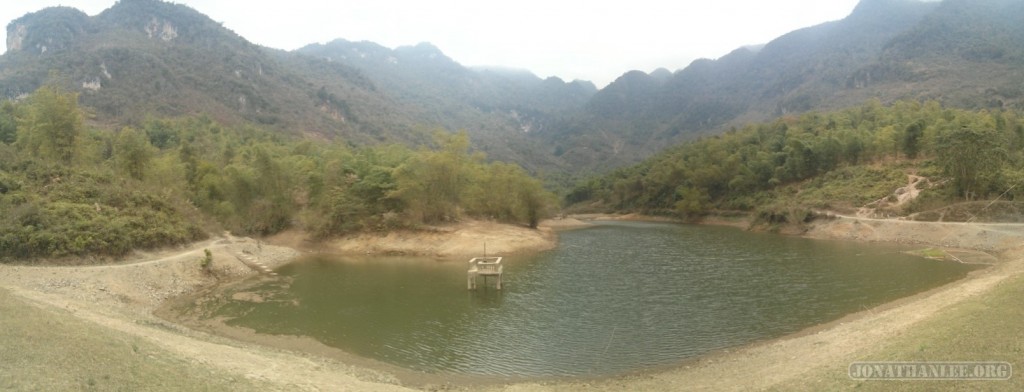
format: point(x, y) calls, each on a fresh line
point(613, 298)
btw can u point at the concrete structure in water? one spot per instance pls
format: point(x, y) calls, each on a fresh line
point(483, 266)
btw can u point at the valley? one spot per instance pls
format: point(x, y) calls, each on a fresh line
point(134, 139)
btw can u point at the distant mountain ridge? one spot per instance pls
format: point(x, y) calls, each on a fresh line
point(144, 58)
point(147, 58)
point(796, 72)
point(423, 73)
point(964, 53)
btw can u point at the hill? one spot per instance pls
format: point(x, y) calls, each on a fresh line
point(908, 159)
point(957, 52)
point(422, 74)
point(500, 108)
point(144, 59)
point(148, 59)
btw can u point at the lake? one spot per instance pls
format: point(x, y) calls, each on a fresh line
point(613, 298)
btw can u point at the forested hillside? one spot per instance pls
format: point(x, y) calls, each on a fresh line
point(502, 109)
point(150, 124)
point(71, 190)
point(961, 53)
point(144, 59)
point(842, 160)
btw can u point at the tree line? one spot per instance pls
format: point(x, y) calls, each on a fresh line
point(978, 152)
point(72, 190)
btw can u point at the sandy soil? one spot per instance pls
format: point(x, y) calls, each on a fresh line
point(468, 238)
point(993, 238)
point(123, 297)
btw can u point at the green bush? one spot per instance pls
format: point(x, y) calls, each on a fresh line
point(105, 193)
point(206, 263)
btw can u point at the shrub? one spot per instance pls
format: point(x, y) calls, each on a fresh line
point(206, 263)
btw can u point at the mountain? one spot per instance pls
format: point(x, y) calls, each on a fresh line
point(423, 75)
point(806, 69)
point(146, 58)
point(499, 107)
point(963, 53)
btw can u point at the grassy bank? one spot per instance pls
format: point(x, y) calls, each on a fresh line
point(985, 328)
point(49, 349)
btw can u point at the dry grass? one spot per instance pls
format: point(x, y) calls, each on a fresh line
point(984, 328)
point(52, 350)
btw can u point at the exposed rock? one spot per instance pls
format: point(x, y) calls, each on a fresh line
point(93, 85)
point(16, 34)
point(162, 29)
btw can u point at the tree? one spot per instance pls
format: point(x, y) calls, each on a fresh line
point(691, 201)
point(271, 212)
point(52, 124)
point(911, 143)
point(8, 123)
point(503, 191)
point(886, 141)
point(973, 157)
point(534, 201)
point(431, 184)
point(132, 152)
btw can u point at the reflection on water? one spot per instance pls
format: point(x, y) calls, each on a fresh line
point(613, 298)
point(486, 297)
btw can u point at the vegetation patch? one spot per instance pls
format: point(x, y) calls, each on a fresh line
point(71, 191)
point(838, 161)
point(977, 211)
point(931, 253)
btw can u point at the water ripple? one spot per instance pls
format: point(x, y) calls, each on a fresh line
point(613, 298)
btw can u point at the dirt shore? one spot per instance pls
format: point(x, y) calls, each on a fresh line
point(122, 298)
point(468, 238)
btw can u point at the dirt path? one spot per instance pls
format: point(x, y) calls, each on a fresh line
point(897, 199)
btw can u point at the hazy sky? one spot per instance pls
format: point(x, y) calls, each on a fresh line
point(590, 40)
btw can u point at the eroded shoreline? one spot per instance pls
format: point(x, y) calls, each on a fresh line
point(124, 298)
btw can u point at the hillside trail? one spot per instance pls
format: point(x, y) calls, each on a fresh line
point(898, 198)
